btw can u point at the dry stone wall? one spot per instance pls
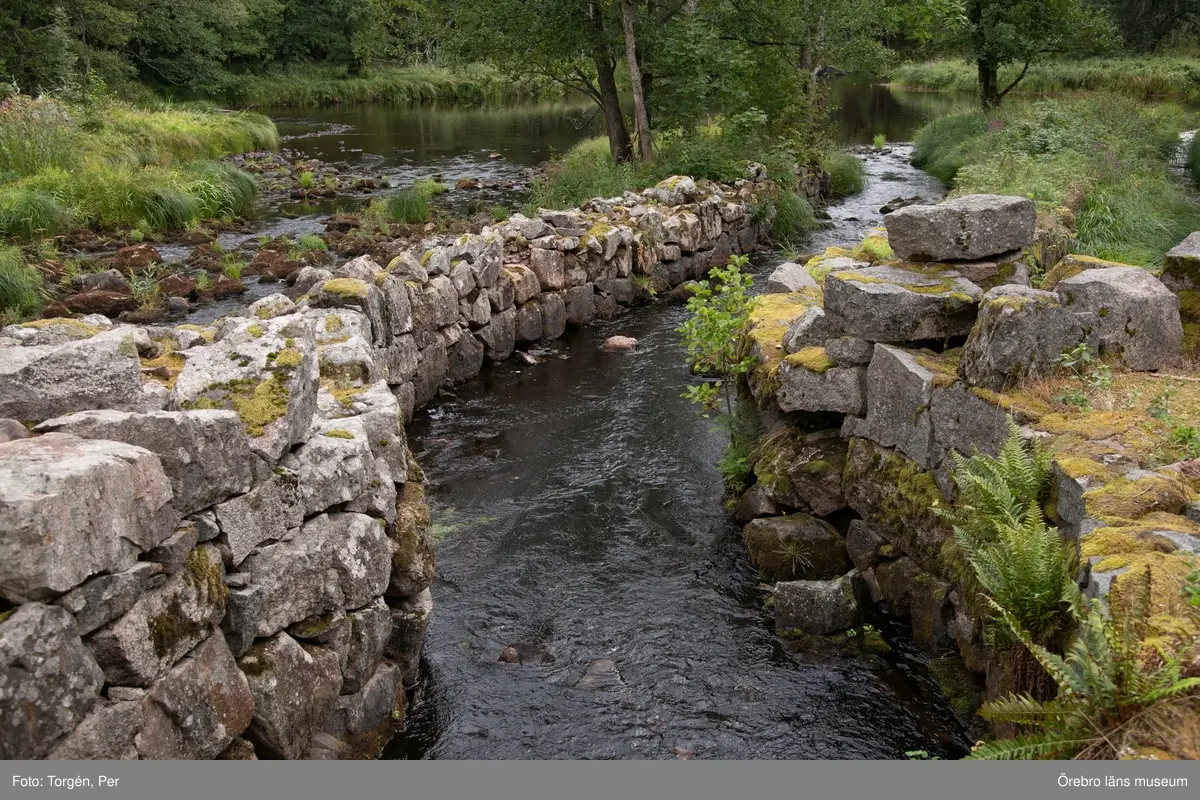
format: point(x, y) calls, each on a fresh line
point(872, 370)
point(214, 541)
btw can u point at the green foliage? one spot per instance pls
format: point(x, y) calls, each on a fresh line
point(745, 429)
point(1088, 374)
point(1113, 695)
point(232, 268)
point(587, 171)
point(794, 217)
point(878, 141)
point(720, 309)
point(1017, 561)
point(310, 241)
point(847, 171)
point(409, 206)
point(1105, 158)
point(499, 213)
point(20, 285)
point(1193, 159)
point(1144, 78)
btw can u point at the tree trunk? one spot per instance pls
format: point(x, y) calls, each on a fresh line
point(989, 91)
point(610, 102)
point(640, 118)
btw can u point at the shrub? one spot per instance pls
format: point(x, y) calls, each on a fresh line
point(20, 285)
point(720, 310)
point(848, 174)
point(310, 241)
point(794, 217)
point(409, 206)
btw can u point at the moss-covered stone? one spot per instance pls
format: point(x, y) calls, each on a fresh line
point(813, 359)
point(347, 288)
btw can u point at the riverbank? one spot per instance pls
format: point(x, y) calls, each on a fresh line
point(1145, 78)
point(1099, 168)
point(330, 86)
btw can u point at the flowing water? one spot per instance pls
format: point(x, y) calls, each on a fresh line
point(581, 508)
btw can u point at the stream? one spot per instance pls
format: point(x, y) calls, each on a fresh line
point(579, 506)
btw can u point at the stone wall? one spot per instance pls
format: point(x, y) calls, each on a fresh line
point(213, 539)
point(872, 369)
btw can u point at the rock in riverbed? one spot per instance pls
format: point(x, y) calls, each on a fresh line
point(620, 344)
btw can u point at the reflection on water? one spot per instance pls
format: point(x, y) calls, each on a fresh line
point(860, 110)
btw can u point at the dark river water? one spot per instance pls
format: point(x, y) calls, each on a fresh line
point(581, 508)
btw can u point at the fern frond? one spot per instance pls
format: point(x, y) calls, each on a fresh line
point(1018, 709)
point(1028, 748)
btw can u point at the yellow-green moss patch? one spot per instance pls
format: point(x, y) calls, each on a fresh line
point(339, 433)
point(813, 359)
point(347, 288)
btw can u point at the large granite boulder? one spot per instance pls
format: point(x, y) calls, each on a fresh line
point(266, 371)
point(205, 454)
point(1137, 316)
point(334, 466)
point(44, 381)
point(48, 680)
point(966, 228)
point(294, 687)
point(1020, 335)
point(819, 608)
point(197, 708)
point(796, 546)
point(71, 508)
point(901, 304)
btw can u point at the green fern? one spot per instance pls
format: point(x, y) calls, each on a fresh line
point(1107, 691)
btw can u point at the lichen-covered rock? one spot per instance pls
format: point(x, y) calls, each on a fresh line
point(348, 363)
point(71, 508)
point(819, 608)
point(848, 351)
point(897, 497)
point(790, 277)
point(413, 559)
point(334, 466)
point(673, 191)
point(164, 624)
point(362, 722)
point(260, 515)
point(1137, 317)
point(265, 371)
point(1008, 269)
point(464, 352)
point(965, 228)
point(1181, 267)
point(801, 471)
point(294, 688)
point(40, 382)
point(580, 305)
point(198, 707)
point(106, 734)
point(205, 454)
point(48, 680)
point(965, 421)
point(820, 386)
point(339, 560)
point(432, 368)
point(271, 306)
point(357, 294)
point(369, 629)
point(434, 306)
point(863, 544)
point(894, 304)
point(549, 267)
point(525, 282)
point(103, 598)
point(899, 392)
point(796, 546)
point(378, 499)
point(554, 314)
point(377, 408)
point(529, 322)
point(500, 335)
point(810, 329)
point(1020, 335)
point(410, 621)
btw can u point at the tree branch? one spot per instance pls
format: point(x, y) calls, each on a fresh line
point(1013, 85)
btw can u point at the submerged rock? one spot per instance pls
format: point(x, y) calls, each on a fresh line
point(622, 344)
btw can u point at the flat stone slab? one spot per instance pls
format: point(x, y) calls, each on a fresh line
point(901, 304)
point(71, 508)
point(966, 228)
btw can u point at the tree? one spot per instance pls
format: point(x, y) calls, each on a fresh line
point(1147, 23)
point(1001, 32)
point(640, 117)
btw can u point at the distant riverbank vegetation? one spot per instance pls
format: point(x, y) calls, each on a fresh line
point(1141, 77)
point(1098, 166)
